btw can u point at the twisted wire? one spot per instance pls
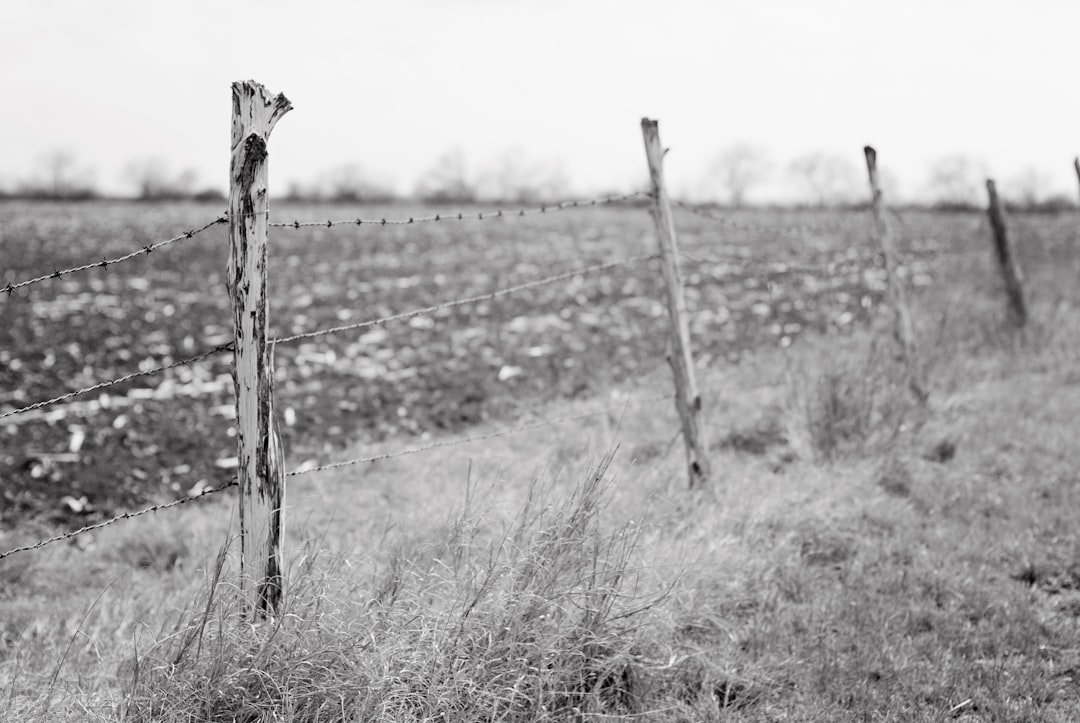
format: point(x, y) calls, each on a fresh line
point(462, 216)
point(472, 438)
point(119, 380)
point(12, 288)
point(739, 225)
point(125, 516)
point(464, 301)
point(228, 346)
point(234, 482)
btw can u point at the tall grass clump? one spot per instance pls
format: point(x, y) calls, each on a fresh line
point(852, 403)
point(527, 620)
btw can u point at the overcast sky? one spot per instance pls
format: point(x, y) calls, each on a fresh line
point(392, 85)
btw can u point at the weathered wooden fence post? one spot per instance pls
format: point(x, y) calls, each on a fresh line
point(262, 490)
point(903, 329)
point(1006, 256)
point(687, 398)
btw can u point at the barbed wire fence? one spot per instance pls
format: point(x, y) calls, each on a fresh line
point(381, 321)
point(248, 224)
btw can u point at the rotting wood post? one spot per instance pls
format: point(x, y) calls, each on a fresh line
point(1006, 256)
point(903, 328)
point(680, 357)
point(261, 467)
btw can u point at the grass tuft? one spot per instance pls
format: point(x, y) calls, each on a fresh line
point(854, 404)
point(535, 623)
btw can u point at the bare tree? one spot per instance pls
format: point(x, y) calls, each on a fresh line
point(515, 178)
point(58, 165)
point(1029, 188)
point(956, 181)
point(738, 169)
point(63, 178)
point(153, 180)
point(351, 183)
point(825, 177)
point(447, 181)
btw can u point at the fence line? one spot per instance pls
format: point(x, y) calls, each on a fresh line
point(466, 300)
point(778, 228)
point(476, 438)
point(234, 482)
point(774, 267)
point(462, 216)
point(112, 382)
point(453, 216)
point(680, 355)
point(118, 518)
point(11, 288)
point(228, 346)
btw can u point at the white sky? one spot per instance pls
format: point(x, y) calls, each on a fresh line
point(392, 85)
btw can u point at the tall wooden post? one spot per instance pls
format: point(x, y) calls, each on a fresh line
point(903, 329)
point(261, 470)
point(687, 398)
point(1006, 256)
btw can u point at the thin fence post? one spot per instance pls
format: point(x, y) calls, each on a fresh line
point(261, 468)
point(687, 398)
point(903, 329)
point(1076, 167)
point(1006, 256)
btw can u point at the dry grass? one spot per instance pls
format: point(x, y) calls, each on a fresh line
point(858, 557)
point(531, 624)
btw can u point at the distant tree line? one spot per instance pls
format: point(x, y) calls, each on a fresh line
point(60, 176)
point(512, 178)
point(820, 180)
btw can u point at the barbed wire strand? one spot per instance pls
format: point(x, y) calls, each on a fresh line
point(119, 380)
point(774, 267)
point(464, 301)
point(125, 516)
point(770, 228)
point(462, 216)
point(12, 288)
point(375, 458)
point(475, 438)
point(332, 330)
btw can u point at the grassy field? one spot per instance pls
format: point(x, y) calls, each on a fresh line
point(856, 558)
